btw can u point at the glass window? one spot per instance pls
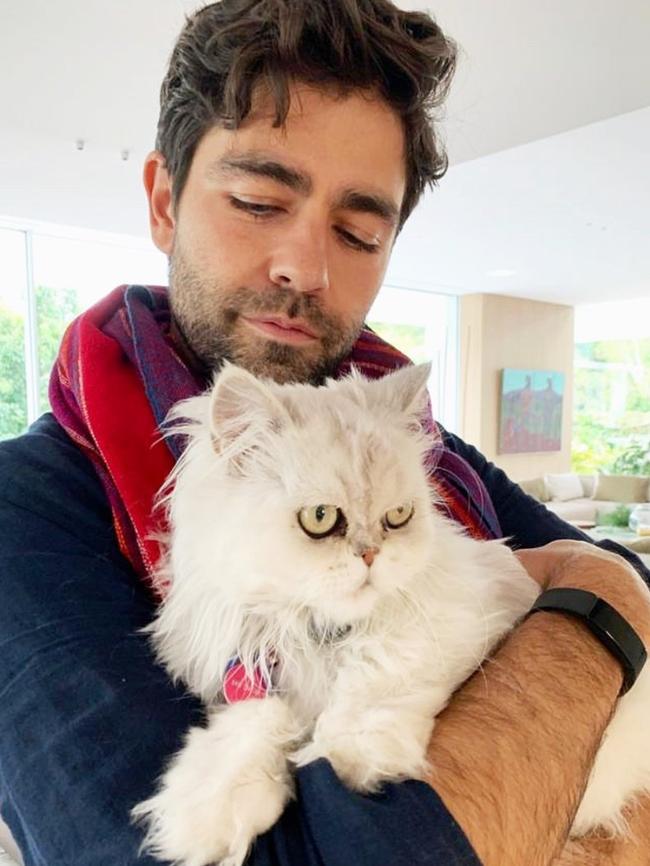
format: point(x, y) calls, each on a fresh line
point(612, 388)
point(423, 326)
point(13, 307)
point(72, 274)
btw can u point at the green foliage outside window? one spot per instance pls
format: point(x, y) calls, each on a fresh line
point(611, 431)
point(634, 459)
point(55, 308)
point(13, 389)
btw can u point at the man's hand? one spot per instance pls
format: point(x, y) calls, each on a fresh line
point(547, 564)
point(600, 850)
point(580, 564)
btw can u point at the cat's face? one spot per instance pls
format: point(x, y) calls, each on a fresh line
point(328, 504)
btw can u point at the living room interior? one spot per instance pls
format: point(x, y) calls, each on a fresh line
point(530, 255)
point(527, 270)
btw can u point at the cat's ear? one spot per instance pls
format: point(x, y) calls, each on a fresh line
point(405, 390)
point(241, 403)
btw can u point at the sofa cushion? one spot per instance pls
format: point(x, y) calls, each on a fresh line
point(564, 486)
point(621, 488)
point(588, 482)
point(535, 487)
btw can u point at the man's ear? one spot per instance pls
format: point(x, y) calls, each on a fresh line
point(158, 186)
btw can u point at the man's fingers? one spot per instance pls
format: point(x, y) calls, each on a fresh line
point(536, 562)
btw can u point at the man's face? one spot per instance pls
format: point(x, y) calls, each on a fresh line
point(282, 236)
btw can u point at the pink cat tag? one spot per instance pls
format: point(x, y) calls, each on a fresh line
point(238, 686)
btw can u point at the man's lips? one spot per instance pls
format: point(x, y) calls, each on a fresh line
point(284, 330)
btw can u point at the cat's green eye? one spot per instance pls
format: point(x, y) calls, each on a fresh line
point(320, 520)
point(397, 517)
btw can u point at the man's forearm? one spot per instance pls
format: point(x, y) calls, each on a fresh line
point(512, 752)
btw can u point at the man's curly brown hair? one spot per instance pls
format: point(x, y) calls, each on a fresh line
point(227, 48)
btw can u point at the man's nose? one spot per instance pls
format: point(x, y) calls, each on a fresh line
point(300, 263)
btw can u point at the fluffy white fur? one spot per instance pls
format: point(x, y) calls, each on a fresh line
point(367, 655)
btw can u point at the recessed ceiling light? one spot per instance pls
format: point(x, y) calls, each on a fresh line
point(501, 272)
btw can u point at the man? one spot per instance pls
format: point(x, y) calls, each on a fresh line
point(293, 143)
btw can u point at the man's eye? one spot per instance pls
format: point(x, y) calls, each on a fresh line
point(253, 208)
point(262, 210)
point(356, 243)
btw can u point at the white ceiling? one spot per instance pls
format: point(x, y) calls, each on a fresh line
point(548, 130)
point(568, 216)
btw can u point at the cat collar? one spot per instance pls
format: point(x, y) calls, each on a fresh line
point(239, 686)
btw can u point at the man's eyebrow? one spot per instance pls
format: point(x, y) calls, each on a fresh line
point(262, 166)
point(370, 202)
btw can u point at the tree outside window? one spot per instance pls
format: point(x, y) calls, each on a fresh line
point(612, 407)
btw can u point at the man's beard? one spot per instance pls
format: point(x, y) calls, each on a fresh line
point(209, 318)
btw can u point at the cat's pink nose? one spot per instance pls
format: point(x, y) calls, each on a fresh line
point(369, 554)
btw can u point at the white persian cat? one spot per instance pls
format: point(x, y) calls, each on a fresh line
point(305, 543)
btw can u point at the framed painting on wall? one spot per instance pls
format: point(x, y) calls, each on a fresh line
point(531, 411)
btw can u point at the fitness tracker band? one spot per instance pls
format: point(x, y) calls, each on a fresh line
point(613, 631)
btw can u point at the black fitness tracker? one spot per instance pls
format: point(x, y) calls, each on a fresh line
point(613, 631)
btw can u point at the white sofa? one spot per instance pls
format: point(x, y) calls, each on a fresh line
point(587, 505)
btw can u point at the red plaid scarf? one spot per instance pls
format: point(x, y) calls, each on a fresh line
point(117, 375)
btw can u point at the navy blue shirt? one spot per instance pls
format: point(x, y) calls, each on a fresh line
point(88, 718)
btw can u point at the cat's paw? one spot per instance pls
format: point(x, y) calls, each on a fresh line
point(370, 747)
point(218, 794)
